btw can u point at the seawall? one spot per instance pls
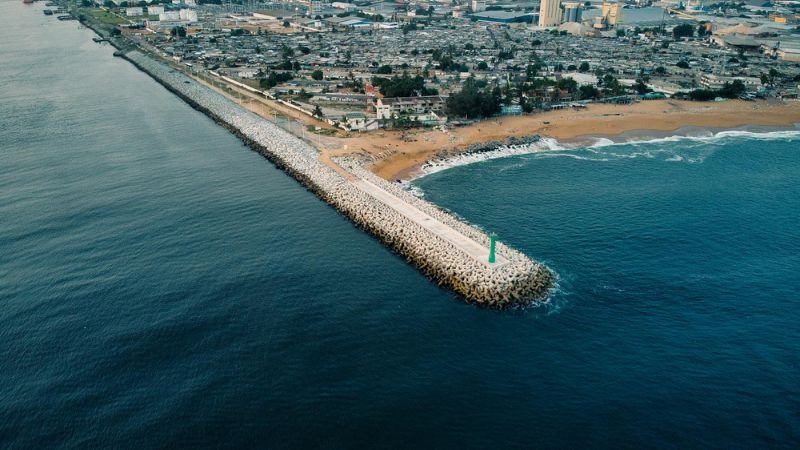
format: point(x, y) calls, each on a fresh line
point(445, 249)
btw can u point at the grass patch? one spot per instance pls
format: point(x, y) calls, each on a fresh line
point(105, 17)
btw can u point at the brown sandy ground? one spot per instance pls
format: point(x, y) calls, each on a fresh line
point(399, 154)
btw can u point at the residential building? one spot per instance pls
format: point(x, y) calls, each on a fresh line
point(389, 108)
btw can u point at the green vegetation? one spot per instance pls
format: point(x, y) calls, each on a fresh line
point(273, 79)
point(729, 90)
point(410, 26)
point(105, 17)
point(178, 32)
point(473, 102)
point(404, 86)
point(684, 30)
point(587, 91)
point(317, 75)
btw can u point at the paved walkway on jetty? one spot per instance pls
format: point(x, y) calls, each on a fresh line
point(464, 243)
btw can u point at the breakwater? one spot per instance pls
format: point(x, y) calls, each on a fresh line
point(445, 249)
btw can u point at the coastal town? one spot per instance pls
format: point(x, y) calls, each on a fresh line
point(366, 66)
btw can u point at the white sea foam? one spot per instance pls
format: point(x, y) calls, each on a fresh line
point(548, 147)
point(504, 151)
point(602, 142)
point(708, 136)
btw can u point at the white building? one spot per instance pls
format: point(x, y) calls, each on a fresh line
point(188, 15)
point(169, 16)
point(314, 8)
point(390, 108)
point(550, 13)
point(712, 81)
point(134, 12)
point(478, 5)
point(155, 10)
point(344, 6)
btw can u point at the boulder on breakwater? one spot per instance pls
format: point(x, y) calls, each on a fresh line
point(517, 281)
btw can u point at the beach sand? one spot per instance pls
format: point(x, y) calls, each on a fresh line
point(399, 154)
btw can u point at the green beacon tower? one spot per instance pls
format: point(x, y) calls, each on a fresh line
point(492, 240)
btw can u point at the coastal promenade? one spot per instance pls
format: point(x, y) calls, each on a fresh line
point(449, 251)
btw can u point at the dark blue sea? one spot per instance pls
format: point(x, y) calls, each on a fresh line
point(162, 286)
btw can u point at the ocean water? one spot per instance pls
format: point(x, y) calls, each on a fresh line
point(163, 286)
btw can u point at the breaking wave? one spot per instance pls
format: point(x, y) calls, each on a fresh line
point(693, 149)
point(503, 151)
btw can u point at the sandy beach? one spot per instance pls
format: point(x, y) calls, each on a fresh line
point(399, 154)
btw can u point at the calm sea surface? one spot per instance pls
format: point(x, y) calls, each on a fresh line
point(163, 286)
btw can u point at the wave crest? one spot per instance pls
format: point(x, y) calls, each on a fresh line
point(600, 149)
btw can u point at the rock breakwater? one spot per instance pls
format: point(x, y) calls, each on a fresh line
point(441, 246)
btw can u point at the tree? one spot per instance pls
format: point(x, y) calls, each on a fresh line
point(732, 90)
point(404, 86)
point(273, 79)
point(178, 31)
point(702, 95)
point(483, 66)
point(286, 24)
point(773, 74)
point(318, 112)
point(584, 67)
point(411, 26)
point(384, 69)
point(641, 86)
point(567, 84)
point(472, 102)
point(317, 75)
point(587, 91)
point(684, 30)
point(682, 64)
point(611, 85)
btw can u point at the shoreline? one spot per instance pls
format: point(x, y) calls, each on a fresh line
point(617, 123)
point(548, 145)
point(399, 155)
